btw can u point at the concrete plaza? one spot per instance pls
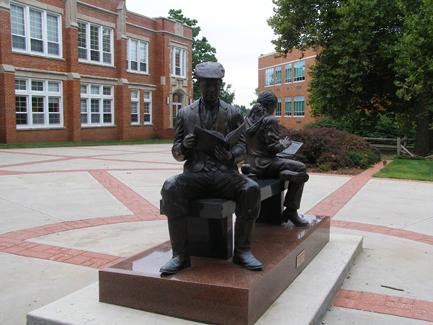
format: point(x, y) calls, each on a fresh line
point(65, 212)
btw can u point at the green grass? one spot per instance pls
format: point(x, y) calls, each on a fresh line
point(81, 143)
point(421, 170)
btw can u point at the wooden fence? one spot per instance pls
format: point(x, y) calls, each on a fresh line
point(399, 145)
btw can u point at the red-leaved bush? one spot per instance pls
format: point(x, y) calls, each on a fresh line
point(331, 149)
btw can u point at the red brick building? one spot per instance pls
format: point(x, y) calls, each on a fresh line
point(74, 70)
point(288, 78)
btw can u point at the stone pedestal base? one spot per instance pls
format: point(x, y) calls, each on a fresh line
point(215, 291)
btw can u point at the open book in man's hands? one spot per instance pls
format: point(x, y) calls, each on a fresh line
point(291, 150)
point(207, 140)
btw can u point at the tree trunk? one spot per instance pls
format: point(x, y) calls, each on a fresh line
point(423, 137)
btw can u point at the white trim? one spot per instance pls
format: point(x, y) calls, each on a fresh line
point(157, 31)
point(95, 21)
point(27, 37)
point(150, 102)
point(179, 44)
point(136, 100)
point(85, 4)
point(287, 62)
point(88, 97)
point(182, 61)
point(137, 36)
point(294, 102)
point(149, 87)
point(139, 55)
point(40, 5)
point(28, 93)
point(5, 5)
point(88, 49)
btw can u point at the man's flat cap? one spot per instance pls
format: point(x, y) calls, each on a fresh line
point(209, 70)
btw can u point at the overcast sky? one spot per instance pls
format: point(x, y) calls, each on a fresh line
point(236, 28)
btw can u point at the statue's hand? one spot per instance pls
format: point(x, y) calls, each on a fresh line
point(222, 154)
point(189, 141)
point(286, 142)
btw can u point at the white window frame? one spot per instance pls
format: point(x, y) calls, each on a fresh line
point(147, 101)
point(288, 68)
point(46, 95)
point(279, 105)
point(278, 74)
point(269, 77)
point(137, 101)
point(297, 99)
point(183, 60)
point(140, 59)
point(288, 100)
point(44, 39)
point(88, 96)
point(100, 45)
point(299, 66)
point(175, 107)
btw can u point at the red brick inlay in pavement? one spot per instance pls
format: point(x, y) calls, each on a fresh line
point(333, 203)
point(38, 162)
point(15, 242)
point(56, 253)
point(388, 231)
point(133, 201)
point(384, 304)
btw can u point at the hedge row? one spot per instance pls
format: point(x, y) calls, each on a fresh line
point(331, 149)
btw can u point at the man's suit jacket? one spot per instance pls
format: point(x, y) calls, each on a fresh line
point(228, 119)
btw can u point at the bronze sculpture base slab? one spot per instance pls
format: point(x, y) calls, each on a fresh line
point(216, 291)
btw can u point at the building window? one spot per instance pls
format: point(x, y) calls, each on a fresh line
point(278, 75)
point(35, 31)
point(269, 76)
point(299, 71)
point(176, 106)
point(147, 110)
point(298, 106)
point(178, 62)
point(95, 43)
point(38, 103)
point(288, 108)
point(278, 109)
point(135, 107)
point(138, 56)
point(288, 72)
point(96, 105)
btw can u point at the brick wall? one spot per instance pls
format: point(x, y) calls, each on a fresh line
point(290, 89)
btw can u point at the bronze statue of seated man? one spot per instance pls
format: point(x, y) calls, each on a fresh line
point(209, 174)
point(263, 144)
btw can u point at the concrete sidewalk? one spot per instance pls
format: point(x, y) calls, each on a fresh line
point(65, 212)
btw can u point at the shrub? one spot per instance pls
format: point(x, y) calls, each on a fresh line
point(331, 149)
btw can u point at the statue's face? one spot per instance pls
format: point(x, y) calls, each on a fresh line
point(210, 89)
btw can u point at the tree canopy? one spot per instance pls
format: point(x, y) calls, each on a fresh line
point(202, 51)
point(374, 57)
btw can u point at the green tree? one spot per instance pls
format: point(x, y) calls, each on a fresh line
point(244, 111)
point(355, 77)
point(414, 68)
point(202, 51)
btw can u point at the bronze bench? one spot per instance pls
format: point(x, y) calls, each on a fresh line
point(210, 227)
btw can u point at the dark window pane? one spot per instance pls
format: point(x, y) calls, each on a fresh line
point(36, 45)
point(38, 119)
point(94, 55)
point(54, 119)
point(107, 118)
point(53, 48)
point(18, 42)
